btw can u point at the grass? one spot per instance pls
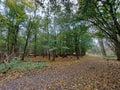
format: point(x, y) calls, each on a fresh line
point(20, 66)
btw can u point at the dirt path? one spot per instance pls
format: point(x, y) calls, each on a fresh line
point(89, 73)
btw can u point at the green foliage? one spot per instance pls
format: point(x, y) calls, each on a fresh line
point(28, 3)
point(3, 21)
point(55, 45)
point(77, 37)
point(53, 49)
point(99, 35)
point(103, 14)
point(54, 28)
point(16, 9)
point(29, 65)
point(18, 66)
point(2, 17)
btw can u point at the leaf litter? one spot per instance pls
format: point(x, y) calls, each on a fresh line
point(87, 73)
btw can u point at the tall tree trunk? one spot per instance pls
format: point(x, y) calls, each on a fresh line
point(101, 44)
point(77, 51)
point(117, 51)
point(27, 40)
point(25, 47)
point(15, 48)
point(35, 45)
point(12, 39)
point(8, 42)
point(82, 51)
point(49, 55)
point(76, 44)
point(54, 55)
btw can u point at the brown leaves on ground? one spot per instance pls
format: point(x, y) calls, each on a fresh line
point(88, 73)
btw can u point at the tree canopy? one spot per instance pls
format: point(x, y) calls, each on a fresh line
point(57, 27)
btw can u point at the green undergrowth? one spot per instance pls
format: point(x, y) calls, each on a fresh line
point(19, 66)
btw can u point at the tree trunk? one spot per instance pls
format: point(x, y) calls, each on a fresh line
point(49, 55)
point(82, 51)
point(117, 51)
point(77, 51)
point(35, 45)
point(8, 42)
point(54, 55)
point(27, 39)
point(76, 47)
point(15, 48)
point(25, 47)
point(76, 42)
point(101, 44)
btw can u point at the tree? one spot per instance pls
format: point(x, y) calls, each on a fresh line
point(104, 14)
point(29, 31)
point(15, 15)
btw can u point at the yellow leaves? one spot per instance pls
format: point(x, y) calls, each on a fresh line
point(3, 21)
point(28, 3)
point(11, 3)
point(17, 8)
point(14, 3)
point(2, 17)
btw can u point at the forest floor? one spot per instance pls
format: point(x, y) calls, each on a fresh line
point(87, 73)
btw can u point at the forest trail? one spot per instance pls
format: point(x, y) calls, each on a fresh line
point(88, 73)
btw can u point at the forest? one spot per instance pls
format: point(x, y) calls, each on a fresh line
point(60, 38)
